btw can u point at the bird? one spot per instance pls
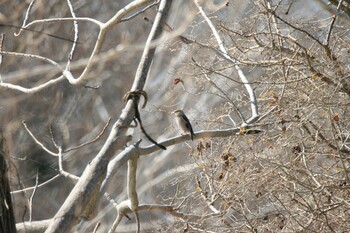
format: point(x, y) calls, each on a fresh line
point(183, 122)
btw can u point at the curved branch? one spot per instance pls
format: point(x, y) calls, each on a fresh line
point(91, 179)
point(253, 101)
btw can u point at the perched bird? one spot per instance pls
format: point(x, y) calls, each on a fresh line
point(183, 122)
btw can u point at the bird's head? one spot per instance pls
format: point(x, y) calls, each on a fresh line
point(178, 113)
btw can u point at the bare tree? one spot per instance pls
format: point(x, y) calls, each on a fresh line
point(87, 93)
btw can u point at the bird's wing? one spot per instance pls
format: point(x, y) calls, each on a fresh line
point(185, 118)
point(189, 126)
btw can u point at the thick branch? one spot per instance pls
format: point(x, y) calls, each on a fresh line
point(90, 181)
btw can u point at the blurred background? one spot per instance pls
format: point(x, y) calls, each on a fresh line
point(255, 181)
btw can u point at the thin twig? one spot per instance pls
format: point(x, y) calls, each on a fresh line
point(33, 89)
point(37, 141)
point(27, 55)
point(52, 137)
point(53, 20)
point(330, 30)
point(139, 12)
point(37, 186)
point(93, 140)
point(1, 43)
point(222, 92)
point(32, 196)
point(26, 16)
point(76, 31)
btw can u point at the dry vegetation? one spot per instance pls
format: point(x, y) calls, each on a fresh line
point(270, 155)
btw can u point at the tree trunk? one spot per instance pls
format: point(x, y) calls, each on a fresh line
point(7, 219)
